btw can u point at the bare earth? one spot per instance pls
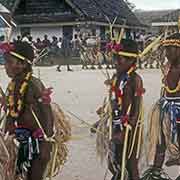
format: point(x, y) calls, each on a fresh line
point(81, 92)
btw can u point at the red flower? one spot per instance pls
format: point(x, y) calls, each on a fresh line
point(125, 119)
point(140, 92)
point(6, 47)
point(117, 47)
point(46, 99)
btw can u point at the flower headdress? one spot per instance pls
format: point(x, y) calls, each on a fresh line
point(8, 48)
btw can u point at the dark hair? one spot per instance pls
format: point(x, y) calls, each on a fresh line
point(25, 49)
point(129, 45)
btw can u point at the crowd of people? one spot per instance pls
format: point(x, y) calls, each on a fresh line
point(86, 47)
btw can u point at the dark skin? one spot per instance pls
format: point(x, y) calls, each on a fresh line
point(173, 76)
point(15, 69)
point(134, 83)
point(171, 80)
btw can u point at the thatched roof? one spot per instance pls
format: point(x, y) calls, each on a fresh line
point(5, 17)
point(50, 11)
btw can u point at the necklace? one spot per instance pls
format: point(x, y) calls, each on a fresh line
point(118, 93)
point(15, 108)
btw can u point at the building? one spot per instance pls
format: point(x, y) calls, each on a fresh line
point(6, 22)
point(167, 22)
point(158, 20)
point(64, 17)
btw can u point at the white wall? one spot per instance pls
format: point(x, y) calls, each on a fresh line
point(98, 31)
point(39, 32)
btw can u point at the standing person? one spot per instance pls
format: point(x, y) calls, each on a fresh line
point(66, 50)
point(125, 96)
point(27, 95)
point(38, 44)
point(59, 44)
point(164, 128)
point(53, 49)
point(46, 42)
point(18, 39)
point(25, 37)
point(75, 45)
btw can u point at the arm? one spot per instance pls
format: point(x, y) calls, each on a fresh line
point(42, 107)
point(133, 97)
point(136, 102)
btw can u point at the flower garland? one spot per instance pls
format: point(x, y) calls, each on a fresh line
point(172, 91)
point(15, 108)
point(165, 87)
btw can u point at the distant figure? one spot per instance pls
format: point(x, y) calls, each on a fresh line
point(75, 45)
point(38, 44)
point(66, 52)
point(59, 44)
point(46, 42)
point(25, 37)
point(54, 46)
point(18, 39)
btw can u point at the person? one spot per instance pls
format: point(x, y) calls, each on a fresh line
point(46, 42)
point(54, 48)
point(26, 95)
point(126, 91)
point(38, 44)
point(164, 128)
point(59, 44)
point(66, 52)
point(75, 45)
point(18, 38)
point(25, 37)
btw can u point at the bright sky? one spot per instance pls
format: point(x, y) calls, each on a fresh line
point(156, 4)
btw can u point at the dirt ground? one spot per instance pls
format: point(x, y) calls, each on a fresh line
point(81, 92)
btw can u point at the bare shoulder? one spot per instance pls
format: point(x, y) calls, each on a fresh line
point(138, 79)
point(139, 85)
point(37, 83)
point(35, 88)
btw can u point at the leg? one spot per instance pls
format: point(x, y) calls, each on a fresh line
point(39, 165)
point(59, 68)
point(132, 168)
point(114, 160)
point(67, 62)
point(160, 153)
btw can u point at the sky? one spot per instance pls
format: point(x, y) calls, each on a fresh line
point(156, 4)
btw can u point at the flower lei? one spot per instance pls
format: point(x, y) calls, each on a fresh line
point(172, 91)
point(166, 87)
point(15, 108)
point(119, 93)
